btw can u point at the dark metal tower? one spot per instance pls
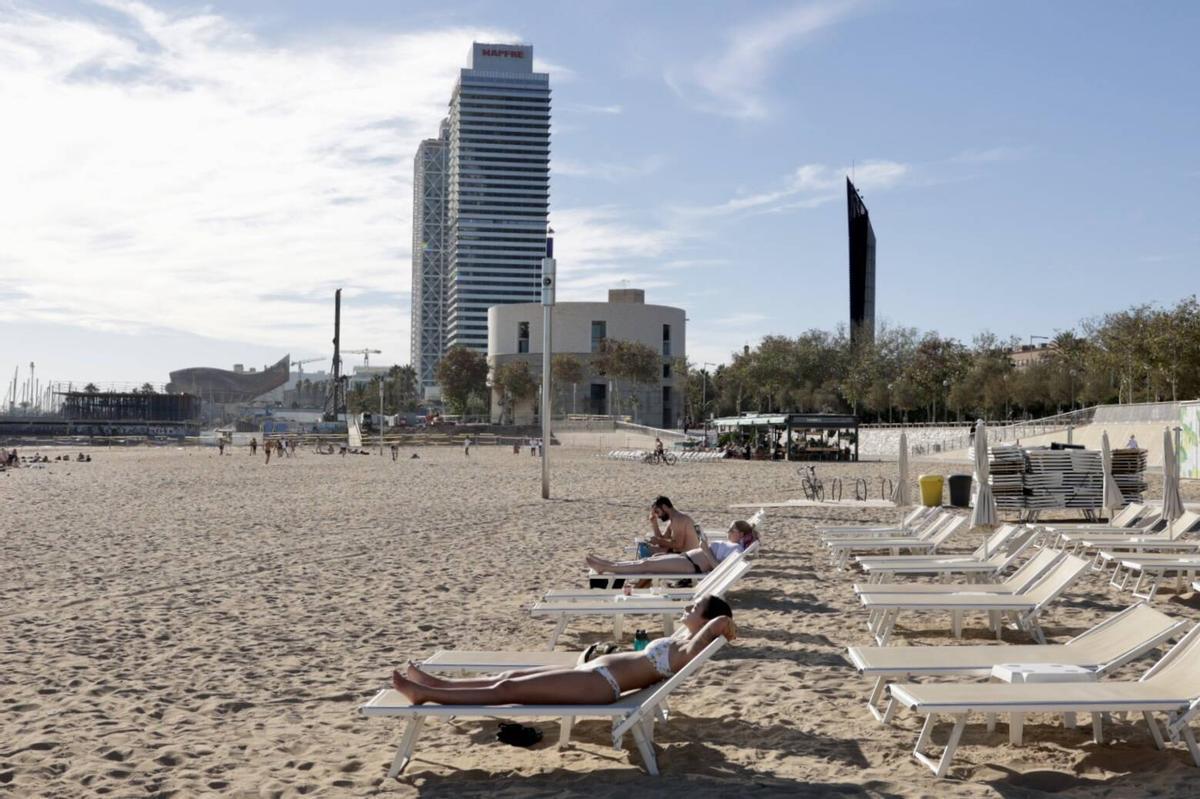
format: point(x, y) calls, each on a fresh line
point(862, 265)
point(335, 400)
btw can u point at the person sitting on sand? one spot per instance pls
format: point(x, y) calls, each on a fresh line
point(600, 681)
point(680, 534)
point(696, 561)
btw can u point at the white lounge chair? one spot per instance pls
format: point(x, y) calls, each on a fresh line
point(1171, 686)
point(921, 526)
point(1151, 569)
point(1018, 582)
point(702, 580)
point(635, 712)
point(841, 551)
point(1104, 648)
point(1023, 608)
point(1148, 524)
point(985, 564)
point(1123, 519)
point(1169, 539)
point(617, 607)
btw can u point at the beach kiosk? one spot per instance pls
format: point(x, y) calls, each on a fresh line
point(800, 436)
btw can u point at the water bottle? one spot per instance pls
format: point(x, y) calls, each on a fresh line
point(640, 640)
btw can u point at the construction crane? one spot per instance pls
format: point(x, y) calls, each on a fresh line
point(300, 364)
point(366, 353)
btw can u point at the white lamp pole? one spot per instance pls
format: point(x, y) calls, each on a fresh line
point(381, 415)
point(548, 270)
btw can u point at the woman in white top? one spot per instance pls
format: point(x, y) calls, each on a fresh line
point(696, 561)
point(596, 682)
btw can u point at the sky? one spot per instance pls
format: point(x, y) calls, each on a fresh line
point(186, 184)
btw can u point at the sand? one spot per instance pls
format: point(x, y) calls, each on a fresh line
point(179, 624)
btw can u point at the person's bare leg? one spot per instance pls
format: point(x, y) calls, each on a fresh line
point(671, 564)
point(559, 687)
point(413, 672)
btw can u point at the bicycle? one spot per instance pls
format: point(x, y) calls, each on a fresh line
point(814, 487)
point(665, 458)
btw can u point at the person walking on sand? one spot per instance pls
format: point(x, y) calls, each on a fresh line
point(267, 449)
point(395, 452)
point(467, 447)
point(1132, 442)
point(220, 446)
point(253, 446)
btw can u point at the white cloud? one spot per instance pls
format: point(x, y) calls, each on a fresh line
point(990, 155)
point(810, 185)
point(588, 108)
point(599, 248)
point(178, 171)
point(731, 84)
point(608, 170)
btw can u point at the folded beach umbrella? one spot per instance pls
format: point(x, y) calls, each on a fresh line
point(1172, 500)
point(984, 512)
point(900, 494)
point(1112, 500)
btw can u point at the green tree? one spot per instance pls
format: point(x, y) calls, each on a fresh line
point(462, 374)
point(147, 388)
point(630, 361)
point(515, 385)
point(91, 388)
point(567, 373)
point(401, 394)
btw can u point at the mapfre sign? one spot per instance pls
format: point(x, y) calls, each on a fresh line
point(502, 57)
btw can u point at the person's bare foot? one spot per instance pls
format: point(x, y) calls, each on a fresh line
point(411, 690)
point(414, 674)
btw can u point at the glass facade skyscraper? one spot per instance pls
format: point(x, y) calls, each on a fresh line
point(487, 245)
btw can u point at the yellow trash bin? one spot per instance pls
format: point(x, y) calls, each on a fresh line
point(931, 489)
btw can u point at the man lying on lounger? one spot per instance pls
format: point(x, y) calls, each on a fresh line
point(597, 682)
point(694, 561)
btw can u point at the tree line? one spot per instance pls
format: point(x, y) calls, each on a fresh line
point(1143, 354)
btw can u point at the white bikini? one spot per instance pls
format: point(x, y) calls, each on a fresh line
point(658, 652)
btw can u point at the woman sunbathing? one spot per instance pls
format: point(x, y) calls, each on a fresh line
point(695, 561)
point(597, 682)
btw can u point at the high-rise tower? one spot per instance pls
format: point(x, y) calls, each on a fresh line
point(430, 259)
point(499, 188)
point(862, 265)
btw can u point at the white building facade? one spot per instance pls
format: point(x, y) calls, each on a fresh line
point(515, 333)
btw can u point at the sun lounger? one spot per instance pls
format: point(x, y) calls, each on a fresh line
point(618, 607)
point(1169, 539)
point(1018, 582)
point(658, 578)
point(636, 713)
point(1151, 569)
point(920, 526)
point(1127, 517)
point(841, 551)
point(1171, 686)
point(1023, 608)
point(1104, 648)
point(674, 593)
point(1068, 540)
point(1000, 551)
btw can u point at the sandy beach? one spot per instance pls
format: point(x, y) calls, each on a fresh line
point(178, 624)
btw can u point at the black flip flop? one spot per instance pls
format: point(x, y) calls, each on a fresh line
point(518, 735)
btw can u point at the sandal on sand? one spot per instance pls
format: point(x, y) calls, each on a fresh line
point(518, 735)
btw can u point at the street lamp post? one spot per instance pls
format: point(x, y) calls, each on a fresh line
point(946, 401)
point(381, 415)
point(890, 387)
point(548, 270)
point(704, 398)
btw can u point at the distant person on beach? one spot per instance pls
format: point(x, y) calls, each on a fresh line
point(220, 446)
point(599, 681)
point(267, 449)
point(699, 560)
point(680, 534)
point(467, 447)
point(395, 452)
point(253, 446)
point(1132, 442)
